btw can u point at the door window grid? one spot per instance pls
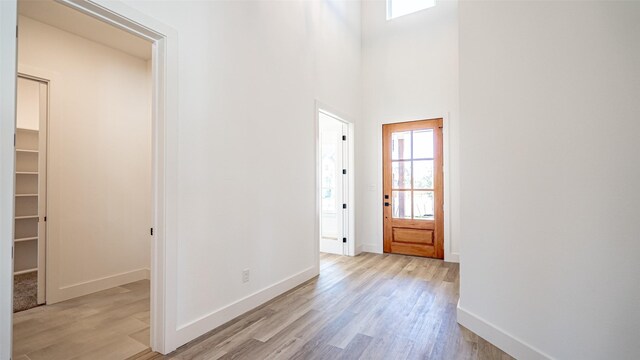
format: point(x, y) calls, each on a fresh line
point(403, 176)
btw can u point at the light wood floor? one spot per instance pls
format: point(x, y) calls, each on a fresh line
point(111, 324)
point(366, 307)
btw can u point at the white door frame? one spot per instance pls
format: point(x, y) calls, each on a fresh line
point(40, 78)
point(334, 244)
point(165, 144)
point(8, 80)
point(350, 190)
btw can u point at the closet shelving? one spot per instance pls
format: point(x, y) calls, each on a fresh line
point(26, 201)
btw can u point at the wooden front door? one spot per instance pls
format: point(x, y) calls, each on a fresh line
point(413, 188)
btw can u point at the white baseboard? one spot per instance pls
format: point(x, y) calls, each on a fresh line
point(372, 248)
point(192, 330)
point(358, 249)
point(498, 337)
point(452, 257)
point(91, 286)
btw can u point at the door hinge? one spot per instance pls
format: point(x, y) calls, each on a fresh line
point(344, 206)
point(45, 218)
point(344, 240)
point(151, 231)
point(344, 137)
point(344, 171)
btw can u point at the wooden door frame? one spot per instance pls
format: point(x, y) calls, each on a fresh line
point(164, 337)
point(351, 240)
point(438, 187)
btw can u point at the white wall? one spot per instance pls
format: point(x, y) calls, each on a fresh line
point(28, 104)
point(410, 72)
point(99, 160)
point(550, 173)
point(249, 74)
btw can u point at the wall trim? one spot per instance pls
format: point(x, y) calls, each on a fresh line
point(206, 323)
point(8, 67)
point(452, 257)
point(449, 255)
point(103, 283)
point(371, 248)
point(358, 250)
point(350, 164)
point(499, 337)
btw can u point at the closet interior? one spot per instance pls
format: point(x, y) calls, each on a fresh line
point(30, 194)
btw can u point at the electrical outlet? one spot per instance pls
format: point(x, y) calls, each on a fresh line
point(245, 275)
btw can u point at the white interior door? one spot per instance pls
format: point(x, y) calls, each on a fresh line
point(333, 214)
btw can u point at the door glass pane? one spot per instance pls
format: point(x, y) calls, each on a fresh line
point(423, 205)
point(423, 174)
point(401, 202)
point(401, 174)
point(423, 144)
point(401, 145)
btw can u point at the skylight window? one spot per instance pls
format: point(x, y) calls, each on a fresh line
point(396, 8)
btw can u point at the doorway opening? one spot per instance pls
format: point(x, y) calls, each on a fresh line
point(30, 193)
point(164, 147)
point(83, 186)
point(333, 182)
point(413, 188)
point(335, 185)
